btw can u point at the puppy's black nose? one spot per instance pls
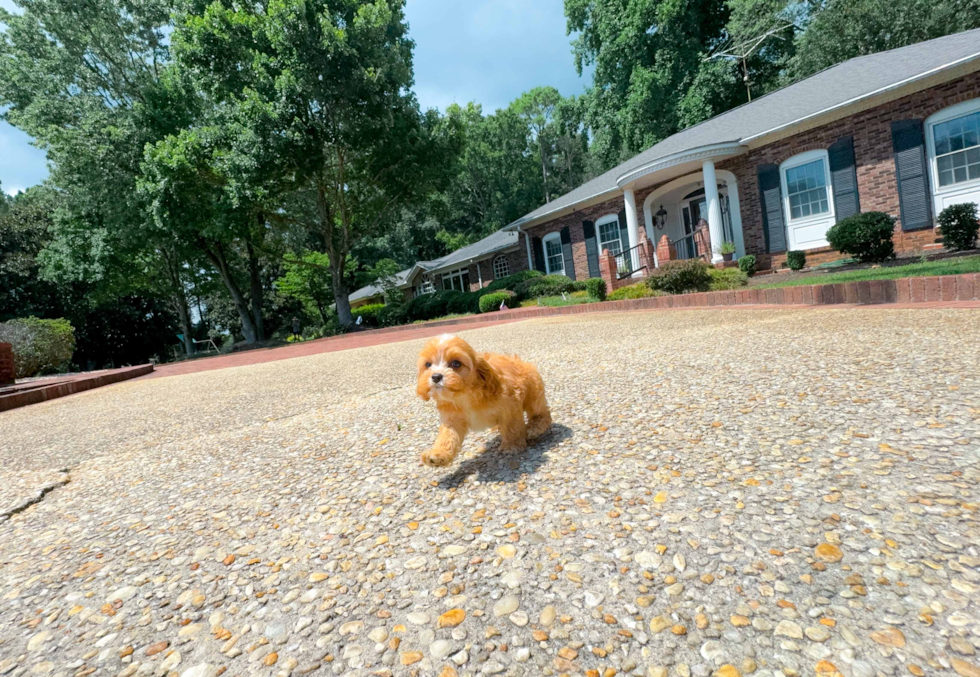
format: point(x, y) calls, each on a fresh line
point(436, 378)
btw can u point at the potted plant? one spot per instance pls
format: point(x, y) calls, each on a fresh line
point(727, 250)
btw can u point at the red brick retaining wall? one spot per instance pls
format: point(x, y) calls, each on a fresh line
point(41, 391)
point(6, 364)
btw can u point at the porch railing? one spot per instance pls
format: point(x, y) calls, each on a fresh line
point(628, 262)
point(688, 247)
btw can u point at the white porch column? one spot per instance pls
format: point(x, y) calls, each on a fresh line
point(715, 228)
point(632, 225)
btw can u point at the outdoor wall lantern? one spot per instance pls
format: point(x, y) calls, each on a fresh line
point(660, 218)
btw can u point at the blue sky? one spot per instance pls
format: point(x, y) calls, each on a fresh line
point(488, 51)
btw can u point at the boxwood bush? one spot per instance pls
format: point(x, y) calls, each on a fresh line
point(796, 259)
point(40, 346)
point(680, 277)
point(867, 237)
point(596, 287)
point(547, 285)
point(491, 302)
point(634, 291)
point(369, 314)
point(512, 281)
point(958, 226)
point(747, 264)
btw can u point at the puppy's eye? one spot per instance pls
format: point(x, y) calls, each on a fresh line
point(428, 364)
point(455, 364)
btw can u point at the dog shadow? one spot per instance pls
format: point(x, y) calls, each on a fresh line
point(492, 466)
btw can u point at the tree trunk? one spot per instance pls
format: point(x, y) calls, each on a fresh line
point(217, 257)
point(255, 291)
point(340, 295)
point(179, 299)
point(544, 170)
point(315, 295)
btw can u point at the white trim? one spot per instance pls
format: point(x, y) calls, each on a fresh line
point(711, 151)
point(827, 218)
point(861, 97)
point(457, 273)
point(544, 246)
point(734, 206)
point(943, 196)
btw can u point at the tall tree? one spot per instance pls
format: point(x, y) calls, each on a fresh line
point(324, 120)
point(536, 108)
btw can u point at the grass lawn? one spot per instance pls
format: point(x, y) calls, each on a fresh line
point(955, 266)
point(574, 299)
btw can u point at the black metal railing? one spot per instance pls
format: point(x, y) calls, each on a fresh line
point(628, 262)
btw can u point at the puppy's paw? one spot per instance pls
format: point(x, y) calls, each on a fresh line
point(538, 425)
point(513, 447)
point(436, 458)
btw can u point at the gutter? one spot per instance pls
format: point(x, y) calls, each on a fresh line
point(527, 241)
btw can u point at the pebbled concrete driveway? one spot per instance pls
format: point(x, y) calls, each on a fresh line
point(736, 492)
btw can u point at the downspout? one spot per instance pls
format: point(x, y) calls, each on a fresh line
point(527, 241)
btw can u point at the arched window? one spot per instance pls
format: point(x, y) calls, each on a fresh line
point(501, 267)
point(808, 199)
point(953, 144)
point(607, 229)
point(554, 261)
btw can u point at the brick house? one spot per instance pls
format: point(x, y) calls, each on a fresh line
point(897, 132)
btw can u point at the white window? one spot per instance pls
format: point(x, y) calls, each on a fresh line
point(808, 199)
point(607, 229)
point(424, 287)
point(554, 261)
point(501, 267)
point(457, 279)
point(953, 144)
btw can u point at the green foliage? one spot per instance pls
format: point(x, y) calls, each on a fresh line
point(40, 346)
point(867, 237)
point(596, 287)
point(511, 281)
point(491, 302)
point(958, 226)
point(573, 299)
point(369, 314)
point(437, 304)
point(796, 259)
point(639, 290)
point(681, 277)
point(747, 264)
point(547, 285)
point(307, 279)
point(727, 247)
point(727, 278)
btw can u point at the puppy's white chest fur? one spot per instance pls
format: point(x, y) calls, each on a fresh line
point(481, 419)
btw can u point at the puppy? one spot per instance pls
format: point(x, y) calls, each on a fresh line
point(477, 392)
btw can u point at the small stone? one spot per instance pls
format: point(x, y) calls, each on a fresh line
point(506, 606)
point(964, 669)
point(351, 628)
point(37, 640)
point(200, 670)
point(440, 648)
point(658, 624)
point(828, 552)
point(378, 635)
point(411, 657)
point(448, 671)
point(418, 618)
point(507, 551)
point(519, 618)
point(789, 629)
point(451, 618)
point(547, 617)
point(818, 633)
point(156, 648)
point(727, 670)
point(889, 637)
point(270, 659)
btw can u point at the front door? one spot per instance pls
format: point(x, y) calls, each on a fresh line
point(693, 211)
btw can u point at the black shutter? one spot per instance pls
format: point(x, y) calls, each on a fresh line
point(771, 199)
point(538, 254)
point(566, 252)
point(624, 233)
point(843, 177)
point(591, 248)
point(910, 172)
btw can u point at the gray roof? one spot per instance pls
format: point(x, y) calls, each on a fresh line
point(491, 244)
point(834, 87)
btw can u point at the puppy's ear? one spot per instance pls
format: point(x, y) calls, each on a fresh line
point(488, 377)
point(422, 390)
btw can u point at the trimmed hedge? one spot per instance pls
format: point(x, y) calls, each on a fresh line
point(548, 285)
point(680, 277)
point(512, 281)
point(369, 314)
point(796, 259)
point(727, 278)
point(747, 264)
point(867, 237)
point(40, 346)
point(958, 225)
point(491, 302)
point(633, 291)
point(596, 287)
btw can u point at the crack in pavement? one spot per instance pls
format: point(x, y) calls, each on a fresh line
point(37, 498)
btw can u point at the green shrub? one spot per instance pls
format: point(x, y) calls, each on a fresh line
point(795, 259)
point(727, 278)
point(464, 303)
point(747, 264)
point(679, 277)
point(958, 225)
point(867, 237)
point(573, 299)
point(548, 285)
point(634, 291)
point(596, 287)
point(491, 302)
point(40, 346)
point(512, 281)
point(369, 314)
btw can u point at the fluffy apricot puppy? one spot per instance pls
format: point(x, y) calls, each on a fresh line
point(477, 392)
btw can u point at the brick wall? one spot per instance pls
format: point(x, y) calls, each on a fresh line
point(6, 364)
point(873, 155)
point(517, 260)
